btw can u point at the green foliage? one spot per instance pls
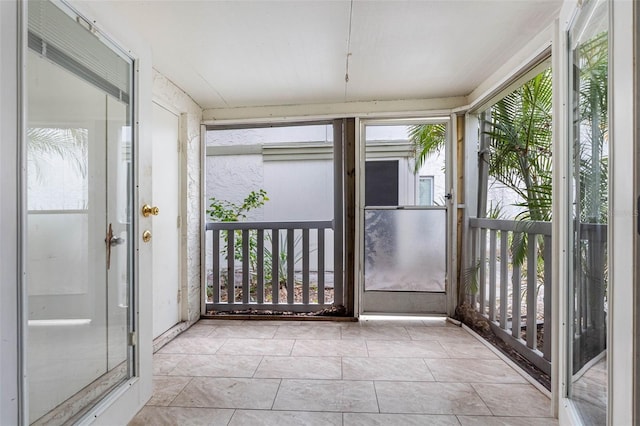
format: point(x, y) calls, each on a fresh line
point(427, 139)
point(520, 130)
point(226, 211)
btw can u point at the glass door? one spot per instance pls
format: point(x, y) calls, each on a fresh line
point(588, 285)
point(404, 217)
point(79, 198)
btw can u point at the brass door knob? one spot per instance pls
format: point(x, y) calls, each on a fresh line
point(147, 210)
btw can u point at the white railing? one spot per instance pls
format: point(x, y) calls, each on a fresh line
point(274, 273)
point(517, 313)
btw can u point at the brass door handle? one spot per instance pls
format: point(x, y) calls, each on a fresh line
point(147, 210)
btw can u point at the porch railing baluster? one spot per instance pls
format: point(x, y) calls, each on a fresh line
point(504, 278)
point(492, 275)
point(321, 232)
point(231, 272)
point(546, 341)
point(305, 266)
point(515, 297)
point(483, 267)
point(216, 267)
point(245, 266)
point(291, 279)
point(260, 266)
point(275, 265)
point(532, 293)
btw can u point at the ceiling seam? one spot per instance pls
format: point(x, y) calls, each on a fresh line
point(346, 74)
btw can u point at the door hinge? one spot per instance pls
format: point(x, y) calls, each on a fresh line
point(133, 338)
point(179, 296)
point(178, 222)
point(179, 147)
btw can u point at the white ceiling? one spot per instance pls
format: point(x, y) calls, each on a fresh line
point(253, 53)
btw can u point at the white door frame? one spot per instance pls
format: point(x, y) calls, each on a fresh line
point(450, 299)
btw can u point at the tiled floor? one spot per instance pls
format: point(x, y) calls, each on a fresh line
point(223, 372)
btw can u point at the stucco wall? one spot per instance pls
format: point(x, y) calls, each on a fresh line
point(168, 94)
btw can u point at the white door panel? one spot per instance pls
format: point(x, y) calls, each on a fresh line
point(166, 239)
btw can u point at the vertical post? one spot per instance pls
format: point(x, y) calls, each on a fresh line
point(504, 281)
point(483, 270)
point(260, 272)
point(231, 279)
point(338, 136)
point(546, 342)
point(291, 260)
point(275, 266)
point(305, 266)
point(349, 183)
point(245, 266)
point(515, 317)
point(321, 267)
point(216, 266)
point(483, 165)
point(532, 286)
point(492, 275)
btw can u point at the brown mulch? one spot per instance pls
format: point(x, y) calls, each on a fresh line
point(472, 319)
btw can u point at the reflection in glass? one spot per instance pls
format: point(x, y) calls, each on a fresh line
point(590, 134)
point(79, 186)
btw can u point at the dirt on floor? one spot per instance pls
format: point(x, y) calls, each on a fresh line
point(472, 319)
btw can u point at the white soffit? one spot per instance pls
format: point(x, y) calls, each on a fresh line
point(229, 54)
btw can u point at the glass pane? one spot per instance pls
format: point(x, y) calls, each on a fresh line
point(79, 172)
point(588, 294)
point(405, 250)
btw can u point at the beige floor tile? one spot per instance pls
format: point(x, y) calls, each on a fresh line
point(505, 400)
point(506, 421)
point(192, 345)
point(368, 419)
point(172, 416)
point(211, 392)
point(164, 363)
point(375, 333)
point(326, 395)
point(330, 348)
point(300, 367)
point(308, 332)
point(399, 369)
point(467, 349)
point(217, 366)
point(476, 371)
point(256, 347)
point(405, 349)
point(442, 334)
point(199, 330)
point(165, 389)
point(284, 418)
point(429, 398)
point(245, 331)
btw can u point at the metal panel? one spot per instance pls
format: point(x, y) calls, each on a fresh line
point(405, 250)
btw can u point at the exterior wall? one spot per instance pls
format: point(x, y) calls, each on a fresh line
point(168, 94)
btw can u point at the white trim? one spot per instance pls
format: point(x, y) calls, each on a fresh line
point(10, 130)
point(621, 239)
point(560, 225)
point(283, 113)
point(505, 73)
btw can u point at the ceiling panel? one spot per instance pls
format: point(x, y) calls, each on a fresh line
point(254, 53)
